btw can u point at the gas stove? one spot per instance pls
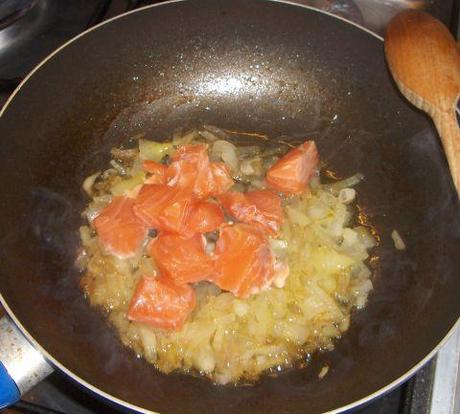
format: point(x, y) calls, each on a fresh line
point(31, 29)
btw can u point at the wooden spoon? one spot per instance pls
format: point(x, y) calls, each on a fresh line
point(425, 63)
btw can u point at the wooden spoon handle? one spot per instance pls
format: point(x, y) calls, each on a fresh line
point(449, 132)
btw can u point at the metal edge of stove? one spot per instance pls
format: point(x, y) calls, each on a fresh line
point(445, 397)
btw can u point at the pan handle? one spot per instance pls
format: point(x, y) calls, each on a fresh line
point(21, 365)
point(9, 391)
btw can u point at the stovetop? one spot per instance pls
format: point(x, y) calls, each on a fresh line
point(58, 395)
point(29, 34)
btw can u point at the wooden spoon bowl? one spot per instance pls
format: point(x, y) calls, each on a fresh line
point(425, 63)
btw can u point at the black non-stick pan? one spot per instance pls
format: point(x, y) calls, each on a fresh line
point(248, 65)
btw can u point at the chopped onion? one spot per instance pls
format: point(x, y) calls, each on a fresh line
point(297, 217)
point(209, 136)
point(363, 293)
point(96, 206)
point(85, 235)
point(227, 153)
point(279, 247)
point(210, 247)
point(241, 308)
point(124, 154)
point(124, 186)
point(314, 182)
point(118, 167)
point(219, 133)
point(318, 211)
point(252, 166)
point(365, 237)
point(107, 173)
point(281, 274)
point(346, 183)
point(398, 241)
point(149, 342)
point(350, 237)
point(347, 195)
point(246, 168)
point(258, 184)
point(136, 168)
point(185, 139)
point(89, 182)
point(154, 151)
point(248, 151)
point(320, 274)
point(323, 372)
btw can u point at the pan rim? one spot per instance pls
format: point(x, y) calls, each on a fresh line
point(55, 363)
point(151, 6)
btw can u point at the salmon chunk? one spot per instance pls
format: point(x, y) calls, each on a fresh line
point(222, 178)
point(205, 217)
point(261, 208)
point(190, 168)
point(163, 207)
point(292, 173)
point(182, 258)
point(157, 172)
point(245, 263)
point(120, 232)
point(161, 303)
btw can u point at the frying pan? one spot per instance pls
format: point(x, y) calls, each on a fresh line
point(269, 67)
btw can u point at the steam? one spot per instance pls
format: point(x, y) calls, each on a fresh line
point(53, 222)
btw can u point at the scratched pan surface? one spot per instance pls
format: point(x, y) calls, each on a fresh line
point(248, 65)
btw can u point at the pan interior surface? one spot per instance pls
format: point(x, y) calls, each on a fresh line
point(244, 65)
